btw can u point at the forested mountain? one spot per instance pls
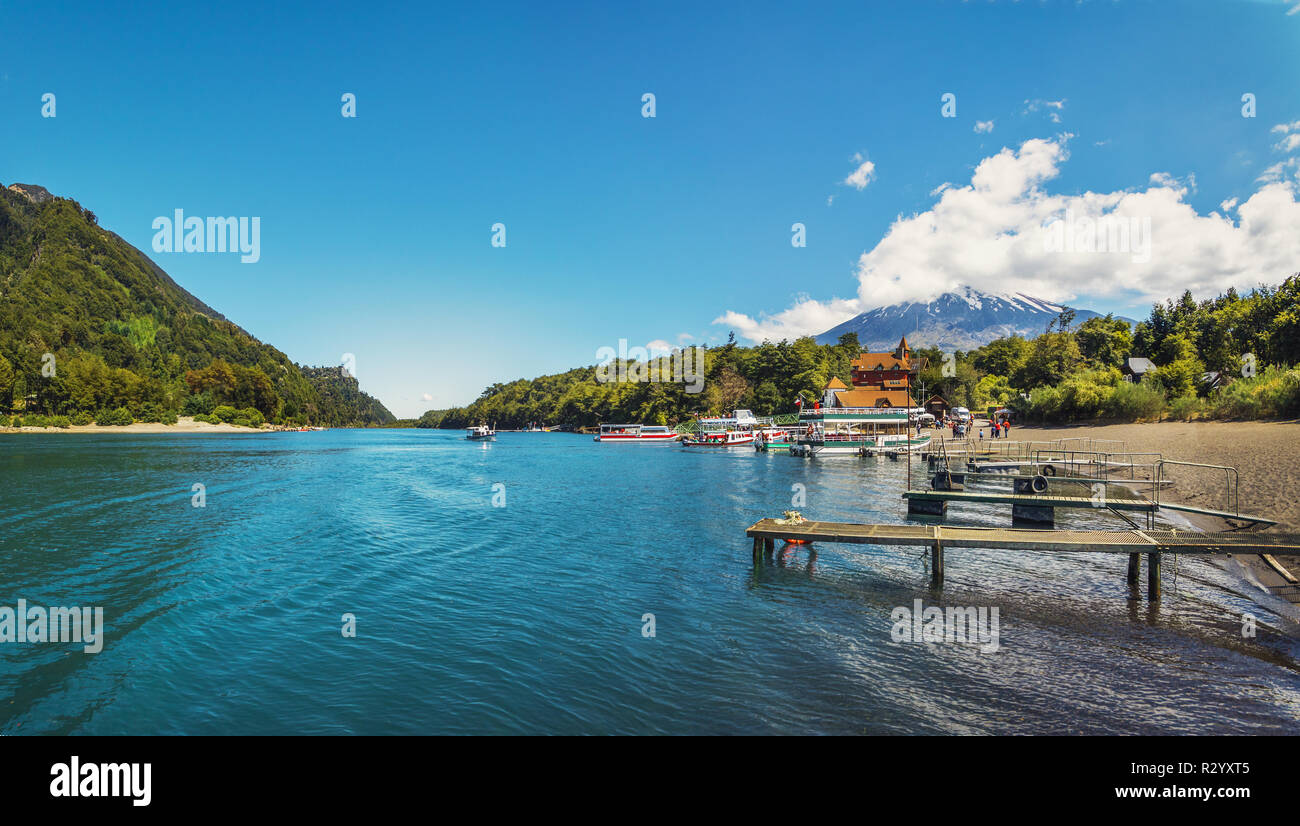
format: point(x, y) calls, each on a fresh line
point(89, 324)
point(341, 399)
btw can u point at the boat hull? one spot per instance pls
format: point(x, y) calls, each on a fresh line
point(855, 447)
point(739, 441)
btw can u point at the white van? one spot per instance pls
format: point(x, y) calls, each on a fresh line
point(961, 414)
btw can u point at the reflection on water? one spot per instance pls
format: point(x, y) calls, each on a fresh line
point(528, 617)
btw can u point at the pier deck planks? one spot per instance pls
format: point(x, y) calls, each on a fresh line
point(1021, 539)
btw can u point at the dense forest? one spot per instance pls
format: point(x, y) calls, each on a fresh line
point(92, 330)
point(1229, 357)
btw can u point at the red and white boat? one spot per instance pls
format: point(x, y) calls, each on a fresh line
point(724, 431)
point(639, 434)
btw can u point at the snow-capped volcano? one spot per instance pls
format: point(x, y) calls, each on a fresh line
point(960, 320)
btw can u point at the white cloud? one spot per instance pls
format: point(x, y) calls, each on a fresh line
point(1289, 143)
point(428, 397)
point(863, 175)
point(1278, 171)
point(1052, 107)
point(659, 348)
point(991, 235)
point(1182, 186)
point(806, 317)
point(984, 126)
point(1290, 133)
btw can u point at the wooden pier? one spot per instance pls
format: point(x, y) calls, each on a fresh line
point(1153, 543)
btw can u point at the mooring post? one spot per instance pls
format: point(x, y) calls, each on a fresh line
point(758, 549)
point(769, 545)
point(1134, 568)
point(1153, 576)
point(936, 564)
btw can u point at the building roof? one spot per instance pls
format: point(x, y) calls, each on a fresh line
point(899, 359)
point(869, 397)
point(879, 361)
point(1139, 365)
point(836, 384)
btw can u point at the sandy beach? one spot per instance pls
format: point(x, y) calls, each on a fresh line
point(1265, 454)
point(185, 424)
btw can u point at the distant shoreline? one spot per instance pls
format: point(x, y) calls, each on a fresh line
point(185, 424)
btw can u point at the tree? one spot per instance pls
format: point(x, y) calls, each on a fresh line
point(6, 384)
point(1105, 341)
point(723, 393)
point(1053, 357)
point(1002, 356)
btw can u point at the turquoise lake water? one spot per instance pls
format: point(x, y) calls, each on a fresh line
point(528, 618)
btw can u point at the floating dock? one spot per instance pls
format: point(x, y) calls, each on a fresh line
point(938, 537)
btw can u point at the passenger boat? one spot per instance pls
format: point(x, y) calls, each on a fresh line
point(856, 431)
point(725, 431)
point(640, 434)
point(774, 438)
point(480, 433)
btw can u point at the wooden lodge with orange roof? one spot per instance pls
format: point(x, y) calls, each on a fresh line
point(879, 380)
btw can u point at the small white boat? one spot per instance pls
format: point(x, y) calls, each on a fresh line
point(726, 431)
point(636, 434)
point(480, 433)
point(857, 431)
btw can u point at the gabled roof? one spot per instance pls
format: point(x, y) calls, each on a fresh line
point(879, 361)
point(836, 384)
point(870, 397)
point(1139, 365)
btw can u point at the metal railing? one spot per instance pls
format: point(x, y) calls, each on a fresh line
point(1232, 501)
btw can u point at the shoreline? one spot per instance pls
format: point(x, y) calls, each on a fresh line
point(185, 424)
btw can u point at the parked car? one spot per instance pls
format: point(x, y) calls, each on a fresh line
point(961, 414)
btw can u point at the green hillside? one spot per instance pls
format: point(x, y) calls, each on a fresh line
point(90, 325)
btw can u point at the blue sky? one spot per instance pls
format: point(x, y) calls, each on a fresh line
point(375, 231)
